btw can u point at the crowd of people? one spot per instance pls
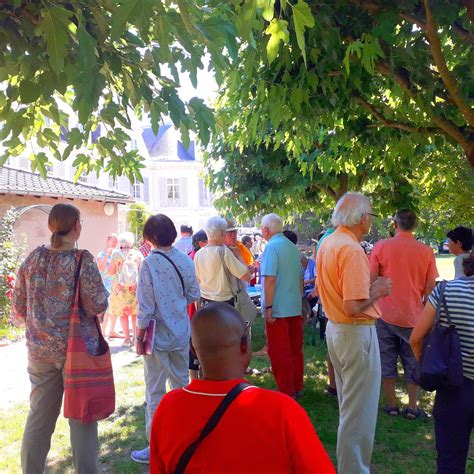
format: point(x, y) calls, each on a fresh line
point(374, 309)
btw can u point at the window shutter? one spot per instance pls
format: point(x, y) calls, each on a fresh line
point(146, 190)
point(162, 191)
point(202, 196)
point(124, 185)
point(183, 189)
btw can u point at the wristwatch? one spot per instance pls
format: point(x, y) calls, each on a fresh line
point(139, 339)
point(269, 307)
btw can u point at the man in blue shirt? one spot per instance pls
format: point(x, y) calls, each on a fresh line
point(282, 288)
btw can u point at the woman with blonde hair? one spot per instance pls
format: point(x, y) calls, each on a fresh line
point(124, 267)
point(42, 300)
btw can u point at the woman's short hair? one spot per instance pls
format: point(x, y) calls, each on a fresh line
point(463, 235)
point(61, 221)
point(291, 236)
point(215, 226)
point(126, 238)
point(199, 236)
point(160, 230)
point(246, 238)
point(350, 209)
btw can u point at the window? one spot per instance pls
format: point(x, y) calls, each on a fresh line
point(112, 183)
point(173, 192)
point(136, 190)
point(133, 144)
point(49, 170)
point(205, 197)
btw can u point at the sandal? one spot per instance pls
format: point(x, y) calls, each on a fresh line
point(391, 411)
point(127, 343)
point(411, 414)
point(115, 335)
point(330, 391)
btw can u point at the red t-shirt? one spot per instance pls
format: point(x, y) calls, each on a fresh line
point(261, 432)
point(409, 264)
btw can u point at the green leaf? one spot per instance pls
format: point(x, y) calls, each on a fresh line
point(302, 18)
point(157, 108)
point(278, 29)
point(268, 8)
point(29, 91)
point(40, 161)
point(246, 18)
point(87, 50)
point(54, 29)
point(121, 16)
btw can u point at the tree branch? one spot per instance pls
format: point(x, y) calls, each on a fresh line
point(392, 123)
point(448, 79)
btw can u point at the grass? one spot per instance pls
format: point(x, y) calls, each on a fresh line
point(400, 446)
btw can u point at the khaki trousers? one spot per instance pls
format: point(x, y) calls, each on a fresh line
point(354, 352)
point(161, 366)
point(45, 405)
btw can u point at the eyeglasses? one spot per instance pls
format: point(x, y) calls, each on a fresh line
point(125, 247)
point(371, 214)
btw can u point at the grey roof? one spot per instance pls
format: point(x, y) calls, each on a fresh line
point(20, 182)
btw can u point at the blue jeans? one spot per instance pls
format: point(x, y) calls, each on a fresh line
point(454, 419)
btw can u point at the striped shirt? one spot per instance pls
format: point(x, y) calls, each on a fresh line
point(459, 297)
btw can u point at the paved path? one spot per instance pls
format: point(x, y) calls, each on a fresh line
point(15, 385)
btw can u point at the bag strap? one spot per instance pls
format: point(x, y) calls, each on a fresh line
point(209, 427)
point(446, 311)
point(157, 252)
point(228, 274)
point(442, 288)
point(77, 273)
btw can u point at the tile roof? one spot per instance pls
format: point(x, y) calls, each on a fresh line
point(13, 181)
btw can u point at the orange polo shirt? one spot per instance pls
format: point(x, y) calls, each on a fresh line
point(410, 265)
point(343, 275)
point(262, 431)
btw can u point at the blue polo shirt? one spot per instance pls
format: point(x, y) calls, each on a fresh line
point(282, 260)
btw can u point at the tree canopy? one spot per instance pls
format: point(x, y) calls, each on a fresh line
point(381, 101)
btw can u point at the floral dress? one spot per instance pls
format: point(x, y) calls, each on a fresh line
point(43, 297)
point(123, 299)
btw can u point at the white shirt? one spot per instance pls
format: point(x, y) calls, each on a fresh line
point(210, 273)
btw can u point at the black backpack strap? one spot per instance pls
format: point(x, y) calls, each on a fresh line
point(157, 252)
point(210, 425)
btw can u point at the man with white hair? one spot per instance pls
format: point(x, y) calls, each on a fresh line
point(348, 299)
point(209, 263)
point(281, 270)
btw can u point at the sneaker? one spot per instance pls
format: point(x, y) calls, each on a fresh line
point(142, 456)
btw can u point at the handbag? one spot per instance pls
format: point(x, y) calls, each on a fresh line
point(89, 391)
point(210, 425)
point(242, 301)
point(440, 364)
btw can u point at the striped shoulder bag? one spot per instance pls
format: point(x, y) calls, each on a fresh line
point(89, 391)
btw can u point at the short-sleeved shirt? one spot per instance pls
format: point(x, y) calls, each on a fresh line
point(161, 297)
point(185, 245)
point(211, 275)
point(459, 297)
point(262, 431)
point(343, 275)
point(43, 297)
point(281, 259)
point(410, 265)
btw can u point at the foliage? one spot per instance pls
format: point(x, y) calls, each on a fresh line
point(11, 250)
point(137, 215)
point(370, 66)
point(368, 111)
point(100, 59)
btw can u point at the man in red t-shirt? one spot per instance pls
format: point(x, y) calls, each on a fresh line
point(412, 268)
point(261, 431)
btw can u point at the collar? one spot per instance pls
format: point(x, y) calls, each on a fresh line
point(342, 229)
point(405, 233)
point(211, 388)
point(276, 236)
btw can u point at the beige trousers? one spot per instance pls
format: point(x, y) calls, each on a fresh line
point(45, 405)
point(354, 352)
point(161, 366)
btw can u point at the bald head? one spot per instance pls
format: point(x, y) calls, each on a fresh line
point(218, 336)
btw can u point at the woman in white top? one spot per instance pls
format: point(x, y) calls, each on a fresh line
point(211, 275)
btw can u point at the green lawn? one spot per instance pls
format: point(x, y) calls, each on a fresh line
point(401, 447)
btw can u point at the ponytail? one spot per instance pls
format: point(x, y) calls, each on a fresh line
point(61, 220)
